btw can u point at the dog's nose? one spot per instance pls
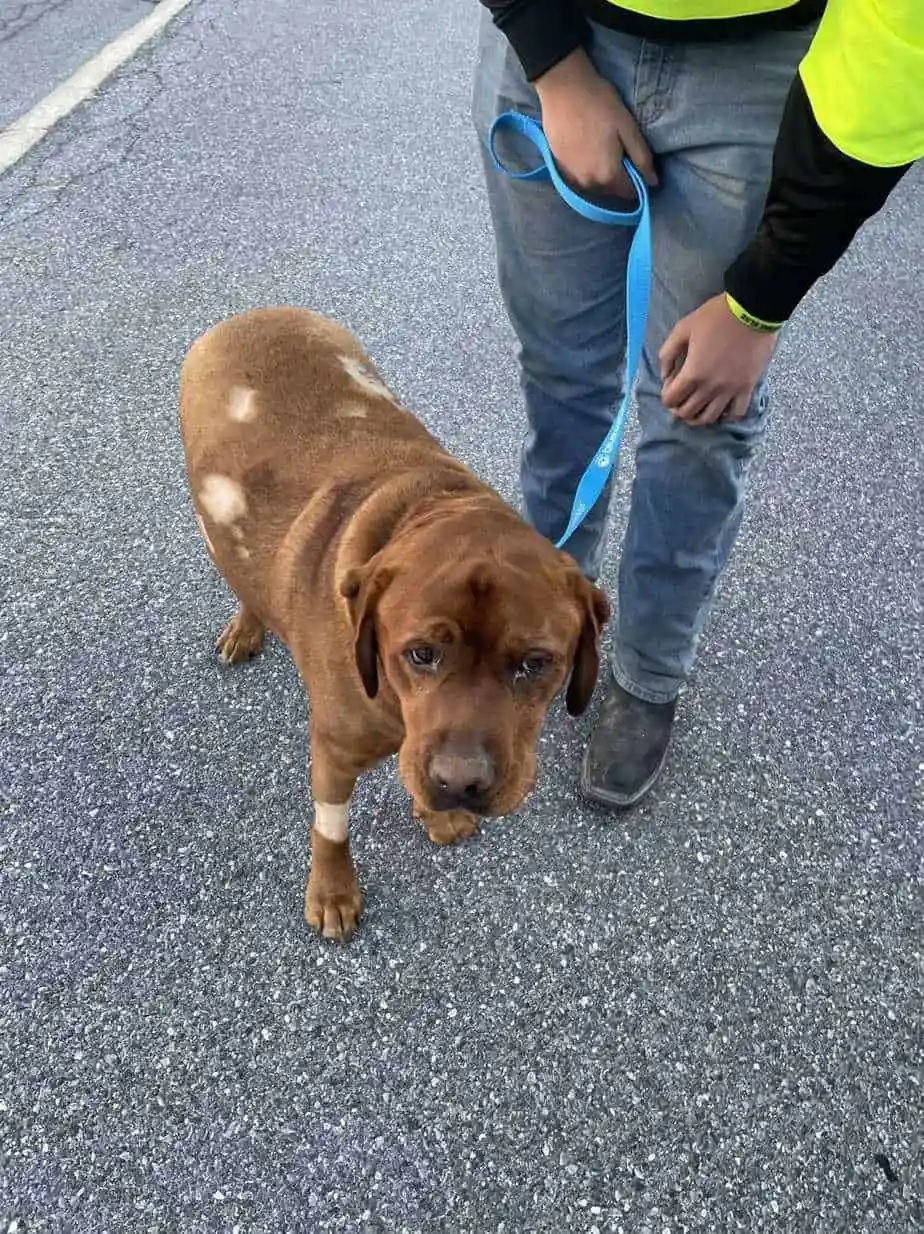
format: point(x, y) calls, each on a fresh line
point(461, 781)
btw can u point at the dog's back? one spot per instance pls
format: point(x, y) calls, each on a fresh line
point(279, 408)
point(288, 380)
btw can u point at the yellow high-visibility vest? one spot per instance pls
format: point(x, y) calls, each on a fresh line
point(702, 10)
point(863, 73)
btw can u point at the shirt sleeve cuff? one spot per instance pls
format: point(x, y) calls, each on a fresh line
point(767, 288)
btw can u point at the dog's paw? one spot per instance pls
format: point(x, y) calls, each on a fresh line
point(447, 826)
point(333, 911)
point(241, 639)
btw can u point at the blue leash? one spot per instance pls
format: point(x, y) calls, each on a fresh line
point(638, 289)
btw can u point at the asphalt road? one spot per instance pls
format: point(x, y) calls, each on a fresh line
point(43, 41)
point(704, 1016)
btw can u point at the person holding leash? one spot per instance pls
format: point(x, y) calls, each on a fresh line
point(768, 132)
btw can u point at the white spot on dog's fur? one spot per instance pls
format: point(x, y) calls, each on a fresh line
point(243, 553)
point(365, 378)
point(332, 821)
point(354, 411)
point(242, 404)
point(222, 499)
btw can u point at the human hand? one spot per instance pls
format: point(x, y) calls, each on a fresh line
point(589, 128)
point(711, 364)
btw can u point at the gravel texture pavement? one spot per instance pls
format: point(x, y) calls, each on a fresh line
point(702, 1016)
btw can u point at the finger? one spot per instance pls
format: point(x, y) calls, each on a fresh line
point(614, 182)
point(689, 408)
point(679, 388)
point(617, 182)
point(671, 354)
point(713, 412)
point(738, 408)
point(618, 186)
point(638, 150)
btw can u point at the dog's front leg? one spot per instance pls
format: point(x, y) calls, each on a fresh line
point(333, 900)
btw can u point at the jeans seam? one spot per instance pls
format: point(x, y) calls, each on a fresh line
point(657, 100)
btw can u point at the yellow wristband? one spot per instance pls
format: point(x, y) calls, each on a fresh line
point(748, 319)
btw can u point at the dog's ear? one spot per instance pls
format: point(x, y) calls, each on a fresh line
point(362, 587)
point(586, 665)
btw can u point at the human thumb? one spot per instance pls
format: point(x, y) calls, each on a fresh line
point(672, 352)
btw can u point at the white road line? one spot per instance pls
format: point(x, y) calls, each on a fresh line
point(29, 129)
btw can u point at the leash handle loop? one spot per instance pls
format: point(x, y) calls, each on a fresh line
point(638, 290)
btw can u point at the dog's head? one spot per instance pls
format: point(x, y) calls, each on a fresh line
point(475, 629)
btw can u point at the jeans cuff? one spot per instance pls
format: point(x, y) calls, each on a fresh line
point(622, 678)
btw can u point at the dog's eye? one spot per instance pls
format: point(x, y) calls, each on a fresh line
point(422, 657)
point(532, 666)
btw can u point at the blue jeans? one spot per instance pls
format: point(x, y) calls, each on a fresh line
point(710, 113)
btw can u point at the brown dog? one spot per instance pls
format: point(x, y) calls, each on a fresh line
point(423, 614)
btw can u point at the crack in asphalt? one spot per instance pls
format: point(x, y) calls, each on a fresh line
point(38, 185)
point(27, 14)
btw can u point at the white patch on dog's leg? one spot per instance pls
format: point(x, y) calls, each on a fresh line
point(242, 404)
point(365, 379)
point(239, 547)
point(222, 499)
point(332, 821)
